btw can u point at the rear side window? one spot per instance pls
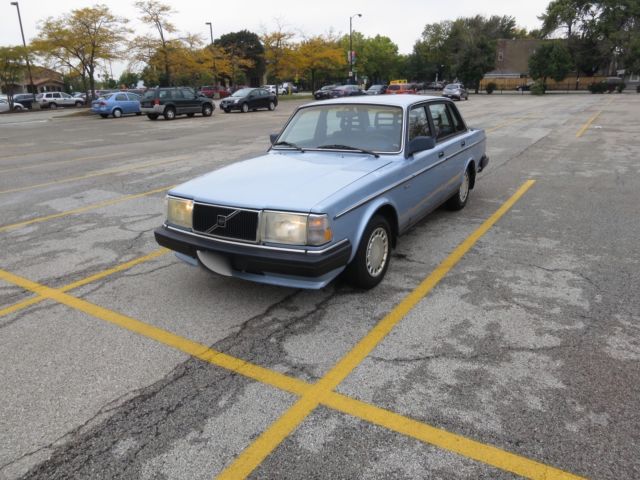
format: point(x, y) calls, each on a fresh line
point(121, 97)
point(149, 95)
point(418, 123)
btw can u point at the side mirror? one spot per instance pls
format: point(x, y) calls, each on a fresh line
point(273, 137)
point(418, 144)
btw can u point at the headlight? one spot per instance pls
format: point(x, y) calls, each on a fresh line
point(236, 100)
point(296, 229)
point(180, 212)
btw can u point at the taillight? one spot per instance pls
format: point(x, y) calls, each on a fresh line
point(156, 101)
point(104, 104)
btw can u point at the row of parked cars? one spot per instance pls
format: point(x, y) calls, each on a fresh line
point(455, 91)
point(169, 102)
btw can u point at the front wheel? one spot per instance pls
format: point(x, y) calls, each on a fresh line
point(272, 106)
point(245, 107)
point(368, 267)
point(459, 199)
point(207, 110)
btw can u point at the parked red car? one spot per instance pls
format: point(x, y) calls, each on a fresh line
point(214, 92)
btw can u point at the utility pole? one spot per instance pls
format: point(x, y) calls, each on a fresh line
point(351, 45)
point(215, 81)
point(33, 103)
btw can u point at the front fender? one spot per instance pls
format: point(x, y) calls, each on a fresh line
point(364, 214)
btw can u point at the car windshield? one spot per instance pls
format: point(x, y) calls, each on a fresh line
point(376, 128)
point(243, 92)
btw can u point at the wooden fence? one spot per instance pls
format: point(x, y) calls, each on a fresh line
point(568, 84)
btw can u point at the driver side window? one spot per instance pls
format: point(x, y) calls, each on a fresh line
point(418, 123)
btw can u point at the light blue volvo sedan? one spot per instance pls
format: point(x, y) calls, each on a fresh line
point(340, 183)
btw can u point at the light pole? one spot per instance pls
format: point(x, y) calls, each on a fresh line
point(212, 53)
point(26, 54)
point(351, 44)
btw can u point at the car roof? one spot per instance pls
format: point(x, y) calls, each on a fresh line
point(391, 100)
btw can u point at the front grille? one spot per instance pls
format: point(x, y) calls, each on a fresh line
point(225, 222)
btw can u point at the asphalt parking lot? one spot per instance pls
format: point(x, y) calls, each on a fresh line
point(503, 343)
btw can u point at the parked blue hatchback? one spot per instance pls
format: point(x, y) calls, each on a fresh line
point(116, 104)
point(341, 182)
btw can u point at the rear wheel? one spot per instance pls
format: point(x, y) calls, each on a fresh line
point(53, 106)
point(207, 110)
point(245, 107)
point(368, 267)
point(79, 104)
point(152, 116)
point(117, 113)
point(169, 113)
point(459, 199)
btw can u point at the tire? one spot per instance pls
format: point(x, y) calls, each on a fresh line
point(53, 106)
point(227, 110)
point(152, 116)
point(207, 110)
point(169, 113)
point(17, 109)
point(368, 267)
point(104, 115)
point(79, 104)
point(460, 198)
point(245, 108)
point(190, 115)
point(272, 106)
point(117, 113)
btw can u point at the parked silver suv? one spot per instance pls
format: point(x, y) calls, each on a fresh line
point(455, 91)
point(58, 99)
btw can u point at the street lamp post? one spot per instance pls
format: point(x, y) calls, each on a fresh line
point(351, 45)
point(33, 93)
point(213, 55)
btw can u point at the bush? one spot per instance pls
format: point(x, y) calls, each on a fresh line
point(538, 89)
point(491, 86)
point(599, 87)
point(620, 87)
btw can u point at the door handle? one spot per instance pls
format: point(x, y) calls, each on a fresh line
point(441, 154)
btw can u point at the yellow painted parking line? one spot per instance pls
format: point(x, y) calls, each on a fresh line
point(256, 452)
point(46, 152)
point(85, 281)
point(86, 208)
point(586, 126)
point(452, 442)
point(194, 349)
point(110, 171)
point(60, 162)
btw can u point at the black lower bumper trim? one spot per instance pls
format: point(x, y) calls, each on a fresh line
point(253, 260)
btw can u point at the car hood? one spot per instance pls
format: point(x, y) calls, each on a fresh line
point(291, 181)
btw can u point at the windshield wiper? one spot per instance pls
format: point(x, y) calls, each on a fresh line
point(349, 147)
point(288, 144)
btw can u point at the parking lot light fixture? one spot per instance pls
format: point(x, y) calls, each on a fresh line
point(26, 54)
point(351, 44)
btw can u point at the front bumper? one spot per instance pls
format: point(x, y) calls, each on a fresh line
point(230, 105)
point(255, 260)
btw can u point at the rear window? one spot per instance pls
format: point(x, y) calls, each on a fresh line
point(149, 95)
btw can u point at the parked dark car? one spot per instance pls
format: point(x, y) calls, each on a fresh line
point(247, 99)
point(324, 92)
point(346, 91)
point(376, 90)
point(25, 99)
point(172, 101)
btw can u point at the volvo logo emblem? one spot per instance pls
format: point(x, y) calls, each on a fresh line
point(221, 221)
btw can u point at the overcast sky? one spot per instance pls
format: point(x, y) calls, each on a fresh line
point(400, 20)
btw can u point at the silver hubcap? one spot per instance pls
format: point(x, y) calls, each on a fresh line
point(377, 251)
point(464, 188)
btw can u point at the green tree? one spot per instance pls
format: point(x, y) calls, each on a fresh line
point(82, 40)
point(12, 69)
point(246, 53)
point(129, 78)
point(278, 54)
point(551, 59)
point(379, 60)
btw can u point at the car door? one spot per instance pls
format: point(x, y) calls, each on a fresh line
point(191, 102)
point(450, 142)
point(122, 102)
point(134, 103)
point(178, 100)
point(420, 193)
